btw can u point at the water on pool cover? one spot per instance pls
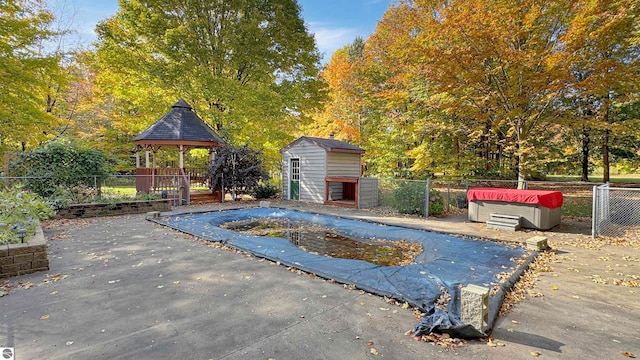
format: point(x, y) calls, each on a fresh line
point(319, 240)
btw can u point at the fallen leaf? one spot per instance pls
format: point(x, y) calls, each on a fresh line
point(491, 343)
point(53, 292)
point(69, 343)
point(628, 354)
point(554, 287)
point(535, 353)
point(369, 343)
point(374, 351)
point(323, 296)
point(575, 296)
point(515, 321)
point(160, 286)
point(44, 317)
point(176, 282)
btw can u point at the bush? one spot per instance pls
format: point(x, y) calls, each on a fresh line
point(237, 170)
point(265, 191)
point(60, 164)
point(410, 196)
point(20, 210)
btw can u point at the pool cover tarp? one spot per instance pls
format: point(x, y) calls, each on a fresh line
point(446, 261)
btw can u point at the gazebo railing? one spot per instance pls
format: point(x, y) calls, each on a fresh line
point(168, 183)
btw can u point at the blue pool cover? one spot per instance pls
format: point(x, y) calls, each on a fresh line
point(446, 261)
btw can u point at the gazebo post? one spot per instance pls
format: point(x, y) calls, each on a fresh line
point(181, 156)
point(146, 158)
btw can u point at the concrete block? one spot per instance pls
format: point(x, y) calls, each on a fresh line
point(40, 264)
point(265, 204)
point(537, 243)
point(153, 214)
point(11, 269)
point(23, 258)
point(19, 249)
point(40, 256)
point(475, 307)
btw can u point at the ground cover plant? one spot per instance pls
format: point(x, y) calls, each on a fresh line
point(20, 211)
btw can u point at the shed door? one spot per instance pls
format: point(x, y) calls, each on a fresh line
point(294, 177)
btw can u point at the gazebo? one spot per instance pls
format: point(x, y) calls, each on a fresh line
point(180, 128)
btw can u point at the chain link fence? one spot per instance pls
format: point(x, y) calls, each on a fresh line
point(449, 196)
point(110, 189)
point(616, 211)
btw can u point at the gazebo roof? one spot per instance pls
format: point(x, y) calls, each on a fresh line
point(180, 126)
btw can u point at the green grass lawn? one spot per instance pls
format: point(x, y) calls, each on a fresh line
point(615, 179)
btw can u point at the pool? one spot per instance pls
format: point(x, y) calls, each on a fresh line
point(446, 263)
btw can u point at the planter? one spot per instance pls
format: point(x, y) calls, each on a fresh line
point(113, 209)
point(27, 258)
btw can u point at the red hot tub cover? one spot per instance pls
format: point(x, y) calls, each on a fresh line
point(548, 199)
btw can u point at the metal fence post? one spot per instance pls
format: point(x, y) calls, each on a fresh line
point(594, 212)
point(448, 195)
point(426, 199)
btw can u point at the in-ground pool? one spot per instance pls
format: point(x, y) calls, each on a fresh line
point(432, 282)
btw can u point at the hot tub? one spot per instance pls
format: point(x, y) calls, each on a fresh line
point(538, 209)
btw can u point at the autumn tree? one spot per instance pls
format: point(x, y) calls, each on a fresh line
point(249, 67)
point(602, 65)
point(25, 71)
point(341, 114)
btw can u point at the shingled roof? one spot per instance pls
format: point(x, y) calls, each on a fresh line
point(327, 144)
point(180, 126)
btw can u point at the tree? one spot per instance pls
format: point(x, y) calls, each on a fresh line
point(341, 113)
point(25, 71)
point(237, 170)
point(602, 64)
point(249, 67)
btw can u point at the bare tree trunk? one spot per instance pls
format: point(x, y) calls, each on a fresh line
point(605, 157)
point(605, 146)
point(521, 158)
point(586, 139)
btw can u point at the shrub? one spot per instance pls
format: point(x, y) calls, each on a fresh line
point(60, 164)
point(265, 191)
point(410, 196)
point(19, 210)
point(237, 170)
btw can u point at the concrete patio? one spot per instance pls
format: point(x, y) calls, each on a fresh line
point(123, 287)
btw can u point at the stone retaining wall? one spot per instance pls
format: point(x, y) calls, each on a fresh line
point(22, 259)
point(121, 208)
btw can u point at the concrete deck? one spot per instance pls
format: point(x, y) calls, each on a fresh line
point(123, 287)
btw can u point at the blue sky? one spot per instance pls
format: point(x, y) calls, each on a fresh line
point(334, 23)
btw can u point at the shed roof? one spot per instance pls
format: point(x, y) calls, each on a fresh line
point(180, 126)
point(331, 145)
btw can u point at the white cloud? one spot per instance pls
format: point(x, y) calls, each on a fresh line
point(331, 39)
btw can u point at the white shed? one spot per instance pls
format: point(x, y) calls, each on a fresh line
point(324, 171)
